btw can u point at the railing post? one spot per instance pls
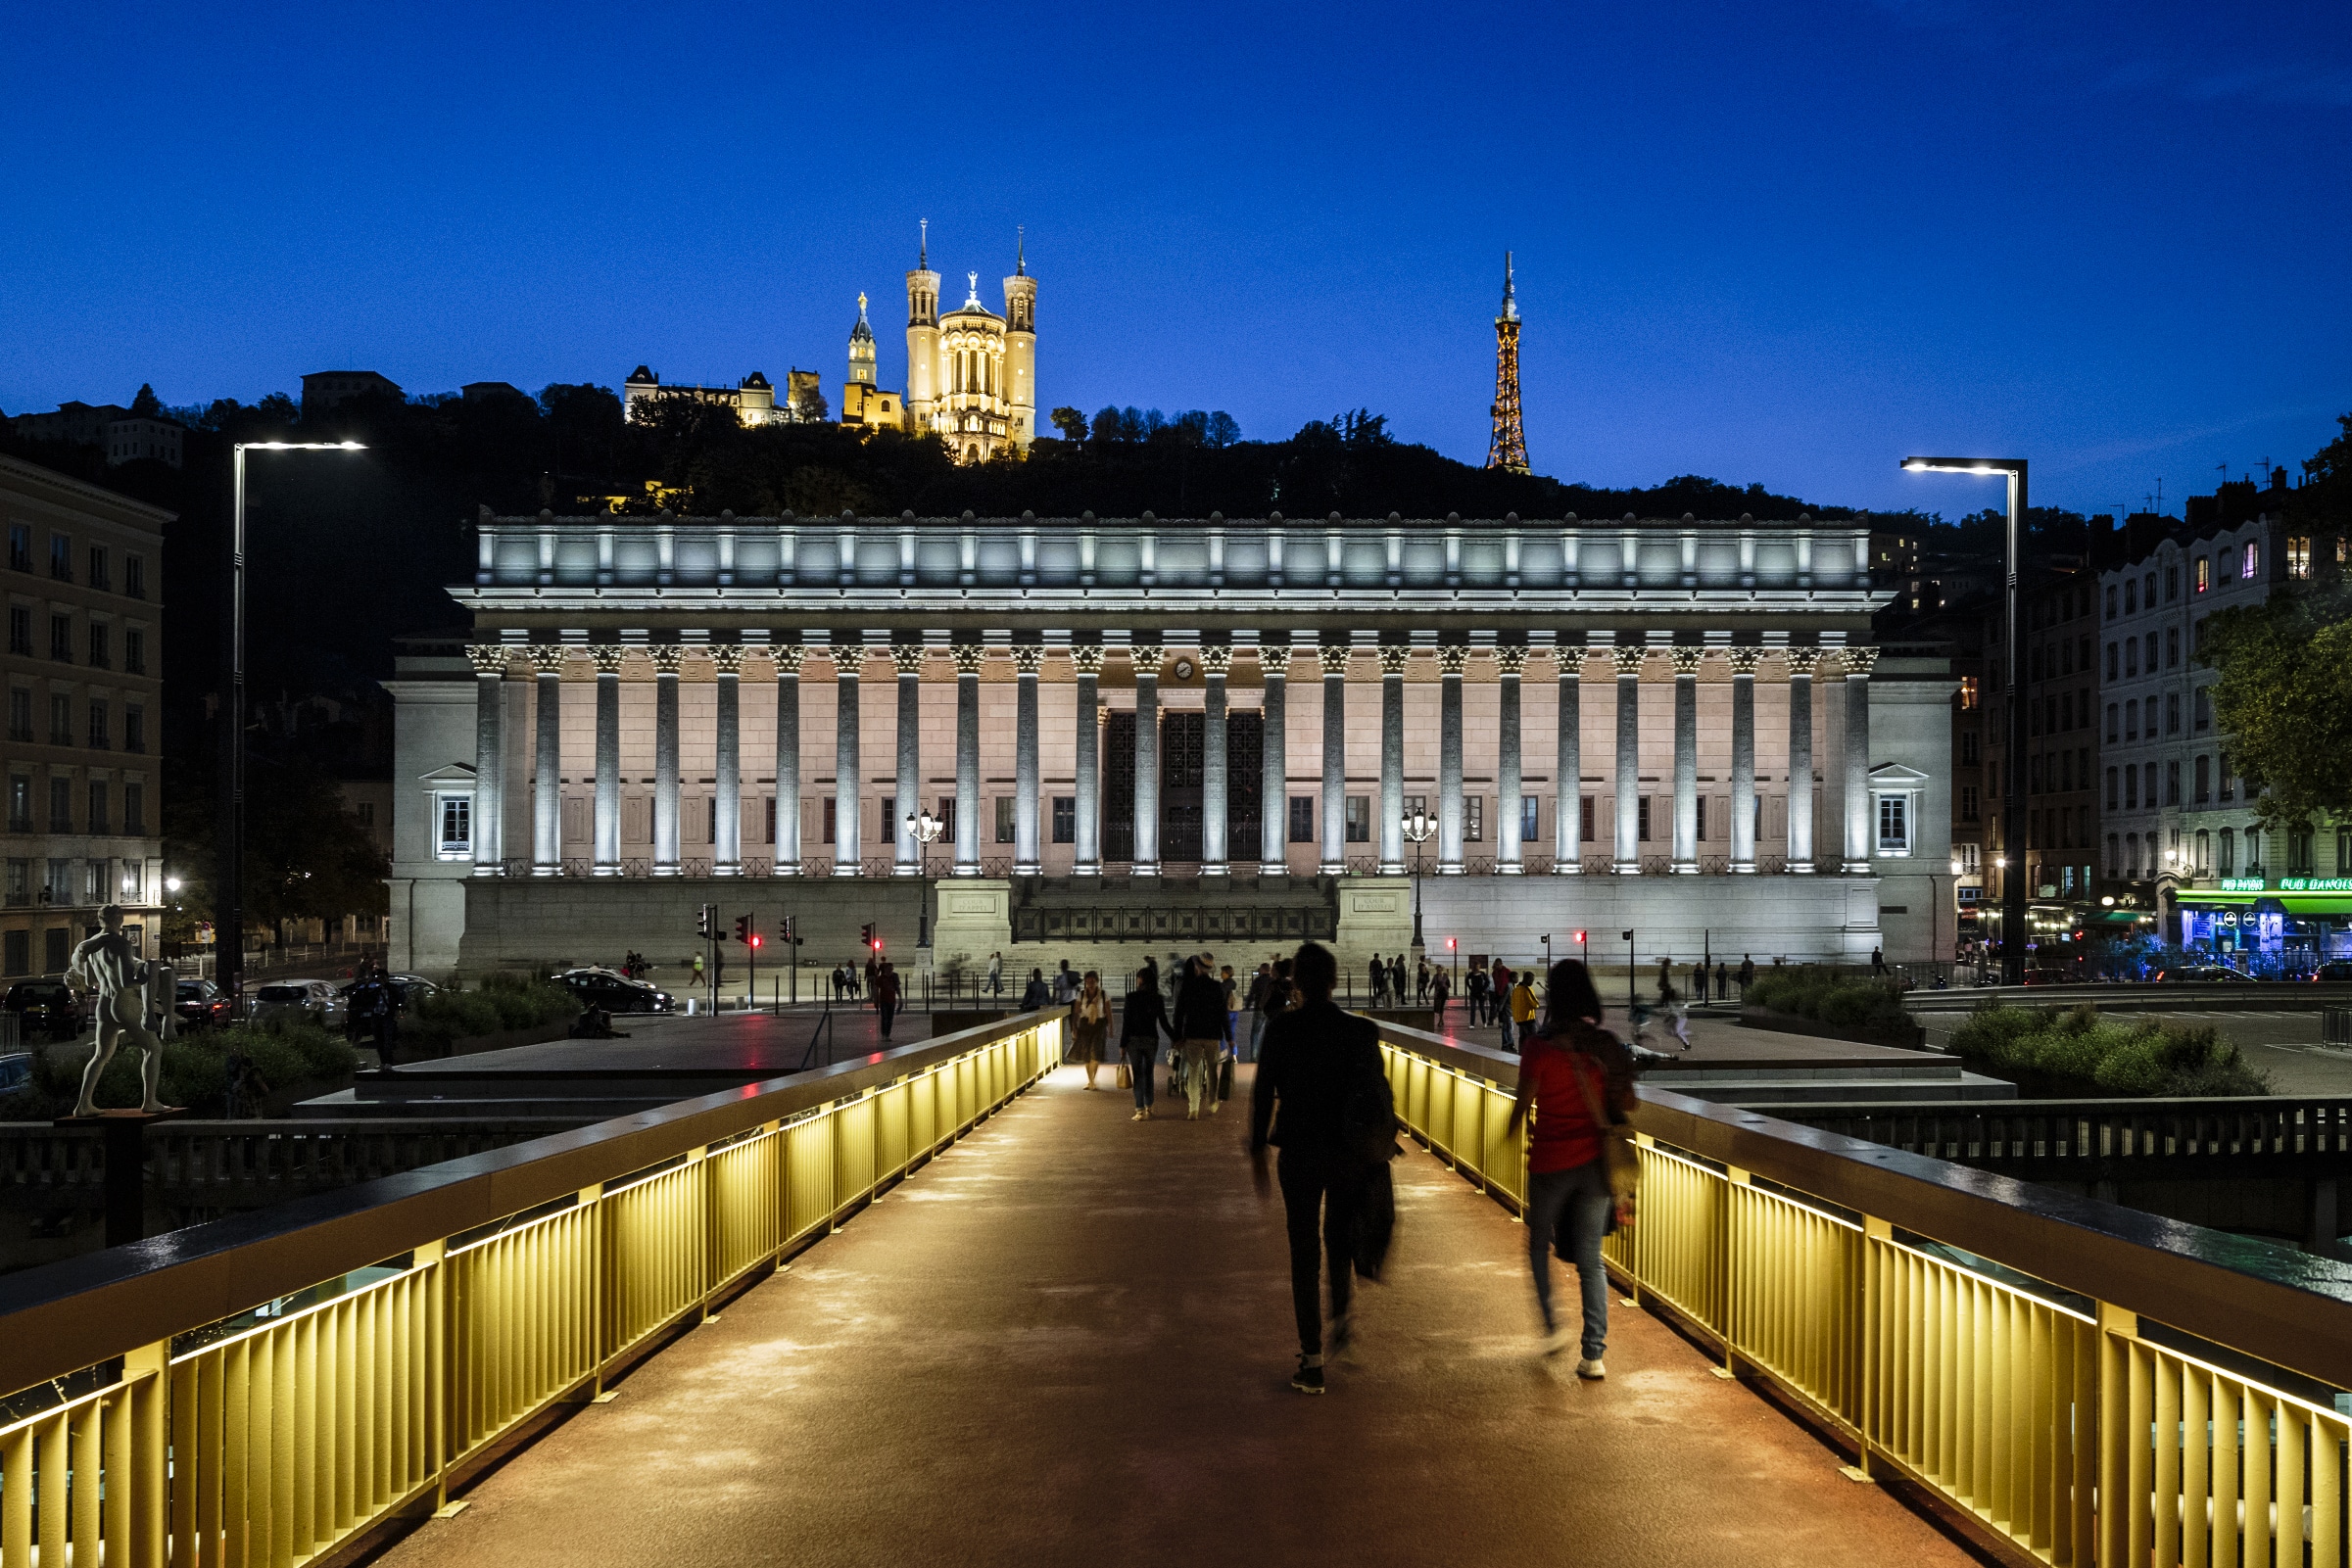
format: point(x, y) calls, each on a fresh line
point(1727, 1249)
point(137, 1521)
point(2122, 1429)
point(1870, 1302)
point(600, 1288)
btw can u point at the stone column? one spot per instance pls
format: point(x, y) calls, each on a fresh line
point(1392, 757)
point(1800, 662)
point(847, 659)
point(666, 657)
point(907, 657)
point(547, 774)
point(1027, 657)
point(1146, 661)
point(1335, 858)
point(1273, 788)
point(968, 656)
point(786, 657)
point(1215, 660)
point(1685, 760)
point(1511, 661)
point(1743, 759)
point(489, 756)
point(608, 759)
point(1629, 761)
point(1087, 659)
point(1861, 830)
point(1450, 660)
point(1568, 808)
point(727, 801)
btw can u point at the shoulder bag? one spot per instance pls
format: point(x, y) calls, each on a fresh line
point(1617, 1157)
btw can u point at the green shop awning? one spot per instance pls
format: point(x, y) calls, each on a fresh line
point(2213, 899)
point(2306, 905)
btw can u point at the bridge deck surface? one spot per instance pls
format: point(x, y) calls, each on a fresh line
point(1068, 1341)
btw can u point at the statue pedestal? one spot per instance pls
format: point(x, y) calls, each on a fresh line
point(126, 1147)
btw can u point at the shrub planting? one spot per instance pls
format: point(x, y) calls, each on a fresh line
point(2079, 1052)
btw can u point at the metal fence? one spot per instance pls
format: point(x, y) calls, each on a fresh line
point(1953, 1328)
point(239, 1395)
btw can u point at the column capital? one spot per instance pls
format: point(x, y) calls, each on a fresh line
point(727, 657)
point(1086, 657)
point(1858, 661)
point(1744, 660)
point(1334, 657)
point(908, 657)
point(967, 656)
point(1800, 661)
point(1686, 661)
point(786, 657)
point(1511, 658)
point(489, 658)
point(1217, 659)
point(1393, 657)
point(548, 658)
point(1629, 662)
point(608, 656)
point(1028, 657)
point(666, 657)
point(1568, 659)
point(1146, 657)
point(1451, 657)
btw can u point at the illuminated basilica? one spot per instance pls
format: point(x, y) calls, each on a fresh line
point(971, 374)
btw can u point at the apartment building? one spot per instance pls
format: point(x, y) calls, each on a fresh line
point(84, 800)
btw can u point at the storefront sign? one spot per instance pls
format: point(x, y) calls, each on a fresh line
point(2241, 884)
point(2315, 885)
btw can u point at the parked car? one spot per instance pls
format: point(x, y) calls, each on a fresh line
point(2200, 975)
point(2052, 976)
point(200, 1004)
point(44, 1008)
point(615, 992)
point(2336, 971)
point(16, 1072)
point(317, 999)
point(411, 989)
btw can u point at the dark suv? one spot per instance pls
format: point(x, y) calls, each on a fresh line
point(614, 993)
point(45, 1008)
point(200, 1004)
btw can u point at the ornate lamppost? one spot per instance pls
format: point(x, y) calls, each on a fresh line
point(926, 829)
point(1417, 827)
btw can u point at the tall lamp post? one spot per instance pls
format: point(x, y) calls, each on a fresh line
point(2013, 646)
point(926, 829)
point(228, 914)
point(1417, 827)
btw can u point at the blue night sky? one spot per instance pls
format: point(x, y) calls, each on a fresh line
point(1759, 243)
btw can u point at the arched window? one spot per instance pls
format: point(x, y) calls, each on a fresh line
point(2204, 853)
point(2226, 866)
point(2131, 855)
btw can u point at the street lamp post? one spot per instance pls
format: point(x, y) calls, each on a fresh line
point(926, 827)
point(228, 914)
point(2013, 643)
point(1417, 827)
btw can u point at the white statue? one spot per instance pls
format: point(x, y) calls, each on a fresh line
point(104, 966)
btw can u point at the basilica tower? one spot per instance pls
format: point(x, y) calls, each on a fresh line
point(1021, 344)
point(861, 349)
point(922, 338)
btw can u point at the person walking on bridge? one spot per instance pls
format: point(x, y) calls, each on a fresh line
point(1575, 1078)
point(1199, 1030)
point(1141, 1022)
point(1316, 1057)
point(1089, 1022)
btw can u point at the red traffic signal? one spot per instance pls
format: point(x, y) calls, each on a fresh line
point(1580, 938)
point(755, 939)
point(1449, 944)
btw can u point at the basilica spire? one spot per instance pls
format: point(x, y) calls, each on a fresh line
point(1019, 249)
point(923, 249)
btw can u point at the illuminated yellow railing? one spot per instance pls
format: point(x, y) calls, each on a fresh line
point(288, 1379)
point(2032, 1360)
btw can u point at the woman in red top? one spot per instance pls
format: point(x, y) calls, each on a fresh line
point(1569, 1070)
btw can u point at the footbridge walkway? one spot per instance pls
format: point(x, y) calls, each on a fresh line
point(944, 1304)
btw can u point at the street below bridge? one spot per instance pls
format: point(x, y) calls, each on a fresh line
point(1068, 1341)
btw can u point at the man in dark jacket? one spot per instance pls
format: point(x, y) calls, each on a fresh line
point(1199, 1027)
point(1314, 1056)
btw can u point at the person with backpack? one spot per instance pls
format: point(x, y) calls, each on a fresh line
point(1322, 1098)
point(1141, 1022)
point(1577, 1080)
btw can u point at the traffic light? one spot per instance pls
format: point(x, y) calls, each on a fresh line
point(706, 920)
point(743, 930)
point(1449, 944)
point(753, 940)
point(792, 931)
point(1580, 938)
point(866, 935)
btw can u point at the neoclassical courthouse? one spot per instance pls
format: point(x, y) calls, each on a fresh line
point(1144, 734)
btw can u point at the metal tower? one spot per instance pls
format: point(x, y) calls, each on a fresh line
point(1508, 447)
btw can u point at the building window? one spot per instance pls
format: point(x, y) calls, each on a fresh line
point(946, 819)
point(1968, 747)
point(2131, 599)
point(1473, 820)
point(2114, 855)
point(61, 638)
point(2225, 784)
point(134, 728)
point(2131, 789)
point(101, 656)
point(2204, 779)
point(2112, 789)
point(1699, 819)
point(1968, 803)
point(1642, 812)
point(1895, 824)
point(20, 546)
point(61, 805)
point(2226, 865)
point(134, 808)
point(20, 630)
point(2249, 566)
point(2298, 852)
point(2172, 584)
point(57, 943)
point(2172, 713)
point(134, 651)
point(2172, 783)
point(832, 832)
point(135, 576)
point(98, 804)
point(2112, 723)
point(1302, 818)
point(1531, 817)
point(2204, 574)
point(1967, 857)
point(129, 884)
point(2204, 866)
point(2253, 852)
point(20, 804)
point(2151, 659)
point(1969, 694)
point(1004, 819)
point(2111, 602)
point(61, 720)
point(1584, 819)
point(2298, 555)
point(886, 820)
point(60, 557)
point(19, 714)
point(1358, 819)
point(1064, 818)
point(101, 734)
point(2172, 647)
point(2131, 720)
point(101, 578)
point(2204, 708)
point(455, 814)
